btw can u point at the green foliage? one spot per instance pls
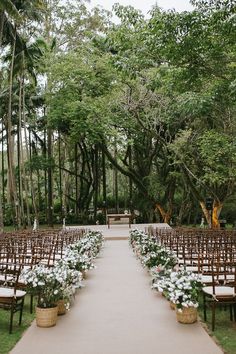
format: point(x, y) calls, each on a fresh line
point(156, 95)
point(8, 215)
point(218, 155)
point(39, 163)
point(82, 81)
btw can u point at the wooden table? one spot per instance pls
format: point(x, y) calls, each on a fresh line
point(118, 217)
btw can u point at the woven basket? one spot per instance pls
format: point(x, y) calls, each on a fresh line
point(172, 305)
point(61, 307)
point(46, 317)
point(187, 315)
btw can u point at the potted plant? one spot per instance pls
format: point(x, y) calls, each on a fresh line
point(184, 289)
point(137, 237)
point(162, 283)
point(77, 261)
point(69, 279)
point(44, 283)
point(160, 257)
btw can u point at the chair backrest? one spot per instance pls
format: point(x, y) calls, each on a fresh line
point(9, 274)
point(223, 272)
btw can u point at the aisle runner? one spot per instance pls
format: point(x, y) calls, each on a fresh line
point(117, 313)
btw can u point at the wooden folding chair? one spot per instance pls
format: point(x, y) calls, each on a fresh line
point(222, 291)
point(11, 298)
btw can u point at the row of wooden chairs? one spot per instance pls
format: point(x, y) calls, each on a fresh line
point(210, 253)
point(23, 250)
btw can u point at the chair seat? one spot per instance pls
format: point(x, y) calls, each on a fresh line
point(219, 291)
point(191, 268)
point(206, 279)
point(58, 257)
point(46, 262)
point(22, 281)
point(26, 267)
point(4, 278)
point(9, 292)
point(227, 277)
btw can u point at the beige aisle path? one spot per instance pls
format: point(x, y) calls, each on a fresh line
point(119, 230)
point(117, 313)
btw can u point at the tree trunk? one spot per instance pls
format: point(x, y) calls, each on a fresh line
point(60, 175)
point(217, 207)
point(130, 183)
point(2, 17)
point(48, 28)
point(19, 159)
point(10, 145)
point(76, 180)
point(166, 215)
point(50, 178)
point(115, 181)
point(65, 181)
point(3, 172)
point(95, 181)
point(1, 215)
point(206, 213)
point(104, 186)
point(28, 157)
point(45, 173)
point(183, 210)
point(3, 189)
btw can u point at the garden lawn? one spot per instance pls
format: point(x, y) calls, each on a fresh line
point(8, 341)
point(225, 330)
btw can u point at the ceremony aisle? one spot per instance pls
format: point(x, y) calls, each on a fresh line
point(117, 313)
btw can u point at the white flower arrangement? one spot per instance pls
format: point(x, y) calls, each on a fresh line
point(60, 281)
point(43, 281)
point(90, 244)
point(75, 260)
point(150, 252)
point(180, 287)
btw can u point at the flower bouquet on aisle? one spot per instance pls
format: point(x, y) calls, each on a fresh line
point(77, 261)
point(184, 293)
point(50, 284)
point(90, 244)
point(161, 258)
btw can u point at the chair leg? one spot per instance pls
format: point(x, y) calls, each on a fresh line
point(21, 310)
point(11, 319)
point(231, 312)
point(204, 307)
point(213, 316)
point(31, 303)
point(234, 306)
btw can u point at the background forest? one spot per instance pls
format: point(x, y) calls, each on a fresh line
point(137, 115)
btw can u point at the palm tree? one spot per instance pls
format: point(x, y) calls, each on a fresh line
point(12, 14)
point(27, 64)
point(8, 11)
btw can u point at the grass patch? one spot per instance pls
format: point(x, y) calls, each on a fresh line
point(41, 227)
point(8, 341)
point(225, 330)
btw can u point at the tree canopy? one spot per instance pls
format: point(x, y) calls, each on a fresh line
point(138, 114)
